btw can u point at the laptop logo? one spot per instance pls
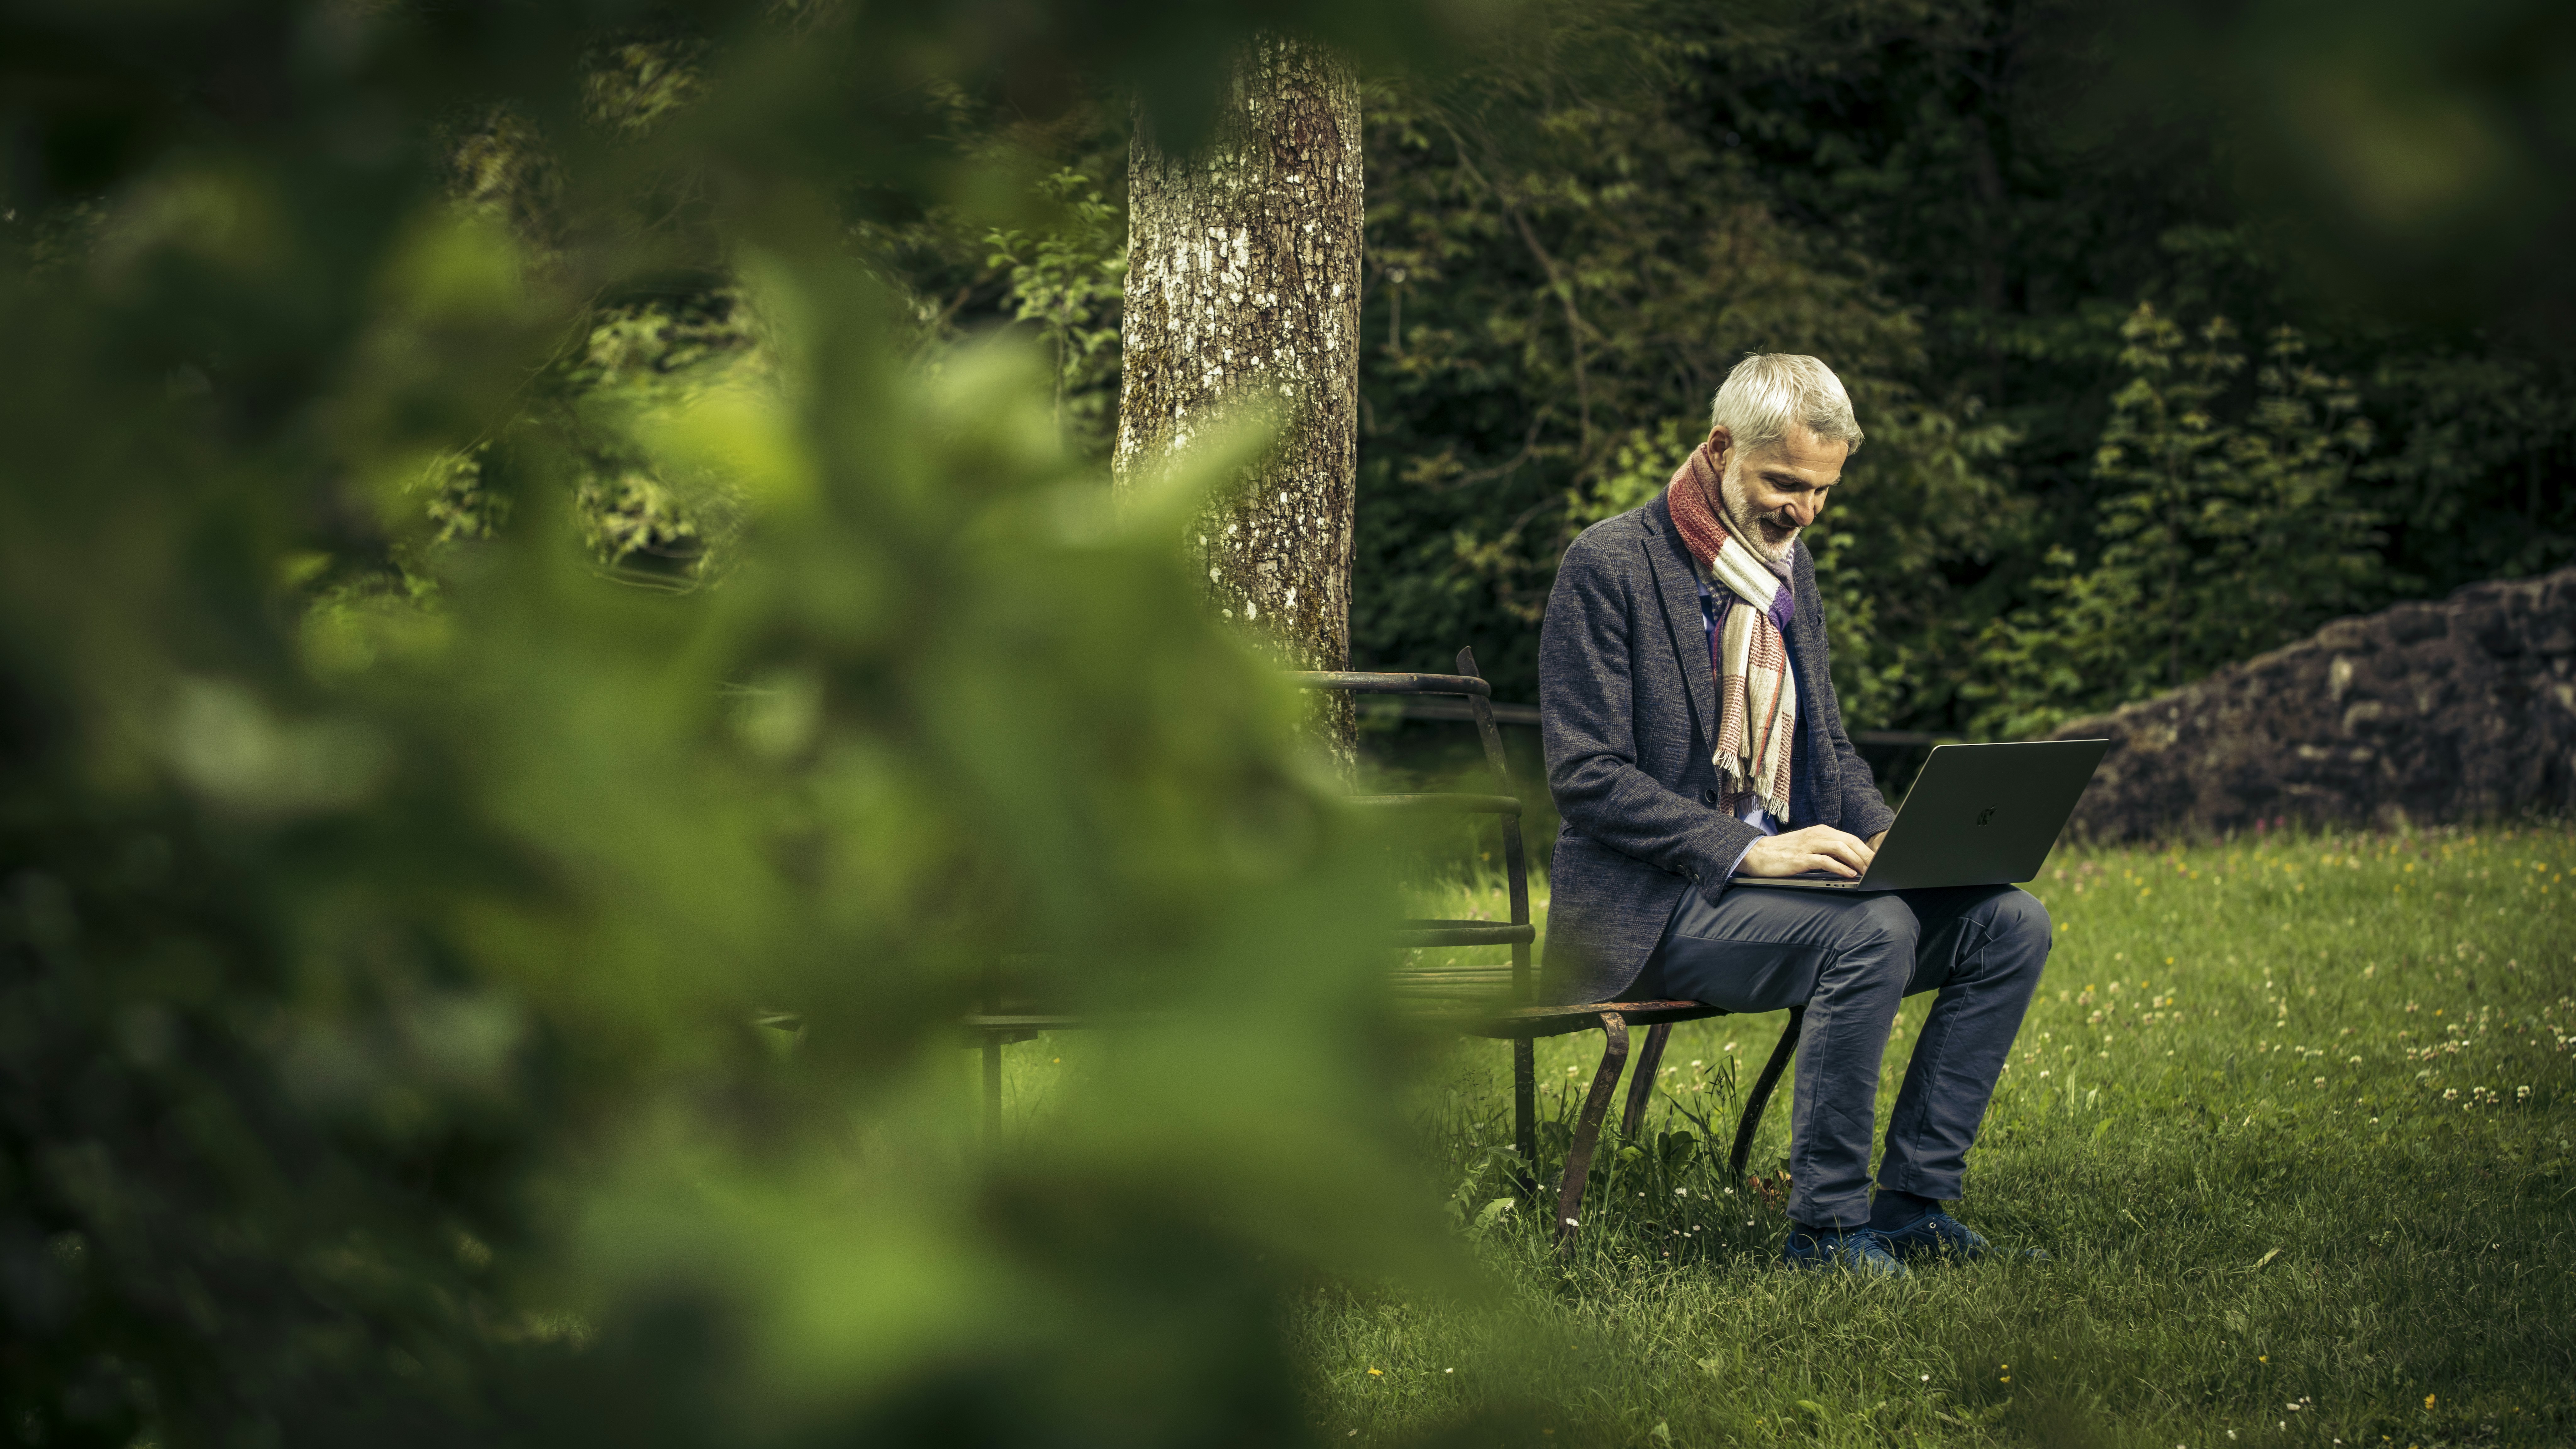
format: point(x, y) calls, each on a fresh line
point(1985, 815)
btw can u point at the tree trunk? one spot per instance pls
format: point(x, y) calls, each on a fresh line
point(1243, 293)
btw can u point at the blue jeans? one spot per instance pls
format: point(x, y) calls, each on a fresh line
point(1850, 959)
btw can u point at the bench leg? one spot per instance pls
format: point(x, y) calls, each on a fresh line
point(1641, 1085)
point(1587, 1128)
point(1525, 1110)
point(992, 996)
point(992, 1094)
point(1760, 1096)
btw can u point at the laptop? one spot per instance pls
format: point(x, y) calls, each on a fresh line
point(1977, 815)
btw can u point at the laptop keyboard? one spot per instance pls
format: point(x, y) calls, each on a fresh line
point(1821, 877)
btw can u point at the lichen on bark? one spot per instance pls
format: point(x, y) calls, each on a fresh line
point(1243, 297)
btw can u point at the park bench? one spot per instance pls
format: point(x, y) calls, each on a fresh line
point(1495, 1002)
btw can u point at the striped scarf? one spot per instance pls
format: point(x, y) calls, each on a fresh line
point(1757, 713)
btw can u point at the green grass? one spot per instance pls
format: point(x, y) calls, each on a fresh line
point(2268, 1118)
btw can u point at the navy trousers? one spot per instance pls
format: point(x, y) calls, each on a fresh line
point(1850, 959)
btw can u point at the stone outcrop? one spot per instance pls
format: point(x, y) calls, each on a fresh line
point(2462, 709)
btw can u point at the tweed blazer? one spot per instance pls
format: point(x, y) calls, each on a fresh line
point(1628, 711)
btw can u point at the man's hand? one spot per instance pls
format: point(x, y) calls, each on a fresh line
point(1818, 847)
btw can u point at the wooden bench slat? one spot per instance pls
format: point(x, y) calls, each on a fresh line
point(997, 1023)
point(1359, 682)
point(1444, 803)
point(1538, 1021)
point(1413, 934)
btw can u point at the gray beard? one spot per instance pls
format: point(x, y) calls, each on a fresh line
point(1740, 522)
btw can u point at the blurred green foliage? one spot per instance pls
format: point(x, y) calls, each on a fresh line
point(2413, 158)
point(451, 995)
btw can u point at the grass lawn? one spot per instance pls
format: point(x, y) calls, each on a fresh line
point(2290, 1118)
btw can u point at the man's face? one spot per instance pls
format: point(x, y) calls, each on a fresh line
point(1770, 493)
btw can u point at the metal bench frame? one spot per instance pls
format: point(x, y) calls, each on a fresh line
point(1523, 1021)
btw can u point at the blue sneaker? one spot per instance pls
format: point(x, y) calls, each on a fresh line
point(1936, 1234)
point(1853, 1250)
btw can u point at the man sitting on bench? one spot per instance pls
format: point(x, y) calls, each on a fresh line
point(1692, 735)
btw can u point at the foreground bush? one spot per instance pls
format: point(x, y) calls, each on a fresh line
point(452, 996)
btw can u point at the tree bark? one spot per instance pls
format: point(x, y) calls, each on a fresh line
point(1243, 294)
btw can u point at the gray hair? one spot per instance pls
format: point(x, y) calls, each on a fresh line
point(1768, 393)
